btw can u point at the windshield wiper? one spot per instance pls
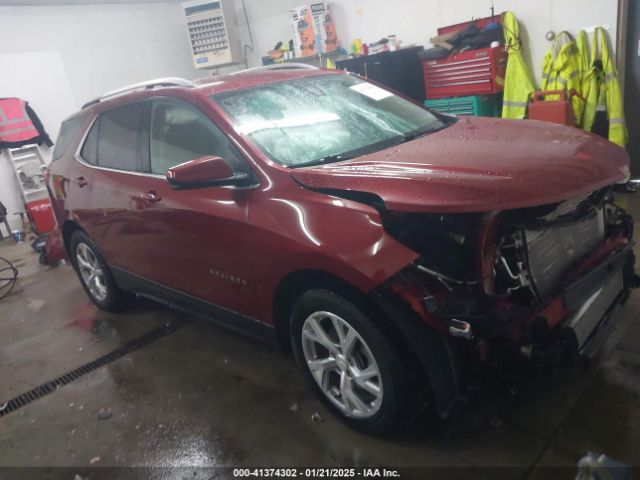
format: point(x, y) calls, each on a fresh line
point(336, 157)
point(407, 137)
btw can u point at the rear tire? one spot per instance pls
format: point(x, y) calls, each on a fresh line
point(95, 276)
point(348, 363)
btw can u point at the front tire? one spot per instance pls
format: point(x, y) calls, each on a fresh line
point(94, 274)
point(348, 363)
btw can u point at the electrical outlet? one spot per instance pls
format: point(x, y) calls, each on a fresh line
point(359, 10)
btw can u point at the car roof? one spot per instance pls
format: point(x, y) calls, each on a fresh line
point(242, 79)
point(255, 77)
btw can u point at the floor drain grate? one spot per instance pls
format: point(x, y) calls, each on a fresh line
point(53, 385)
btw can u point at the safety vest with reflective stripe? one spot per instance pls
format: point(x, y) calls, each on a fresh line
point(561, 71)
point(604, 90)
point(518, 85)
point(15, 124)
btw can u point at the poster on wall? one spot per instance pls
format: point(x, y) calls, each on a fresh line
point(313, 29)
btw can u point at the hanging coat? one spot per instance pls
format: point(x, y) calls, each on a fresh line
point(585, 69)
point(604, 90)
point(518, 85)
point(19, 125)
point(584, 60)
point(561, 71)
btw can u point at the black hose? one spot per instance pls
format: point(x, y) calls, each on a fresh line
point(7, 280)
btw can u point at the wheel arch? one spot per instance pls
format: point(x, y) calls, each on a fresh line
point(291, 287)
point(295, 284)
point(424, 351)
point(67, 229)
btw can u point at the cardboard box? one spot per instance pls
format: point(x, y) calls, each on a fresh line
point(313, 29)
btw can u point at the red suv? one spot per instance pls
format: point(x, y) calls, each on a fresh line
point(395, 250)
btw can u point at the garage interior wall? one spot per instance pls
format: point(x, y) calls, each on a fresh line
point(415, 21)
point(58, 56)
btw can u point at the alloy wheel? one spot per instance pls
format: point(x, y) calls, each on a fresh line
point(342, 364)
point(91, 271)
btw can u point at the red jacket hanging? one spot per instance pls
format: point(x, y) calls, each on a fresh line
point(20, 125)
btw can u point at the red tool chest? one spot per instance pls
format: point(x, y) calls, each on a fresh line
point(472, 72)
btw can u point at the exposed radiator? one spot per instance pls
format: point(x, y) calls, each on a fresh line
point(552, 251)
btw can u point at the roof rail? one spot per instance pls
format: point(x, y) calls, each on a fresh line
point(278, 66)
point(158, 82)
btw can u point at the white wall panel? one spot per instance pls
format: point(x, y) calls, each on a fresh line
point(40, 78)
point(90, 49)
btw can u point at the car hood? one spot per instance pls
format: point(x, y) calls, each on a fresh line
point(479, 164)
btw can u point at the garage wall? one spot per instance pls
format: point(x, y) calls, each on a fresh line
point(58, 57)
point(415, 21)
point(40, 78)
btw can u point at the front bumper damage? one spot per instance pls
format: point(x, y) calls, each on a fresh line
point(448, 329)
point(574, 322)
point(588, 307)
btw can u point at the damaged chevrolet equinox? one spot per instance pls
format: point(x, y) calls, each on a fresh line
point(393, 249)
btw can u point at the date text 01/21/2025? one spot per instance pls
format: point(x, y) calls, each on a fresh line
point(316, 473)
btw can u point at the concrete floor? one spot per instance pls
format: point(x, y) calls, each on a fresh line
point(203, 396)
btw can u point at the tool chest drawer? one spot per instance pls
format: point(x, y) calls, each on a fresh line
point(476, 105)
point(468, 73)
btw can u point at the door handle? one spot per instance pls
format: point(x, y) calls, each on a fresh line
point(151, 197)
point(81, 182)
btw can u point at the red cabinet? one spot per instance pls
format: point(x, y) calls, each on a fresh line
point(473, 72)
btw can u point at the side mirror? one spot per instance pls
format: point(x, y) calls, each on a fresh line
point(204, 172)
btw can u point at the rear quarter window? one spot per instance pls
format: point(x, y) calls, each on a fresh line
point(89, 151)
point(68, 131)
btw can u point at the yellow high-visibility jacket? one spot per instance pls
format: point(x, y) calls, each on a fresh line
point(561, 70)
point(584, 60)
point(604, 90)
point(518, 85)
point(584, 57)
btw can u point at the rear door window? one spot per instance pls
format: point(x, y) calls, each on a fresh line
point(68, 131)
point(121, 137)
